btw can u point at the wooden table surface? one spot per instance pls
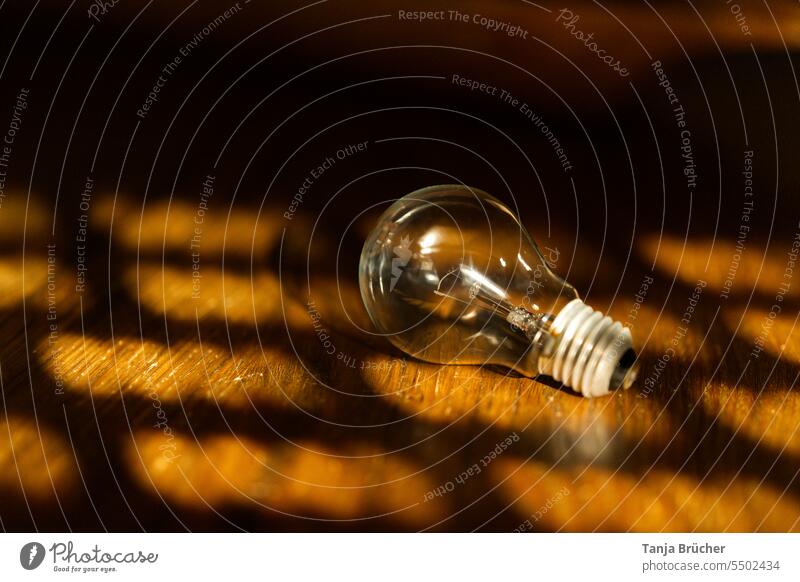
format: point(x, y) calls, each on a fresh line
point(241, 388)
point(228, 410)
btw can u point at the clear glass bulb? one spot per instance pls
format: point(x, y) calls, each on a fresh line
point(449, 275)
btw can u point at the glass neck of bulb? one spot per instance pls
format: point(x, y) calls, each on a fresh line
point(579, 347)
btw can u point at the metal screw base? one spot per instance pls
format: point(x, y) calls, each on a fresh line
point(591, 353)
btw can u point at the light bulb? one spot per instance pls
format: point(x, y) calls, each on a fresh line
point(450, 276)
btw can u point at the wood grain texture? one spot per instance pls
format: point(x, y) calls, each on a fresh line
point(228, 404)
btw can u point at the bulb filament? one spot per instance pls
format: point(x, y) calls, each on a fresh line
point(488, 295)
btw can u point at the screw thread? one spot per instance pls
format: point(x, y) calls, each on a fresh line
point(592, 353)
